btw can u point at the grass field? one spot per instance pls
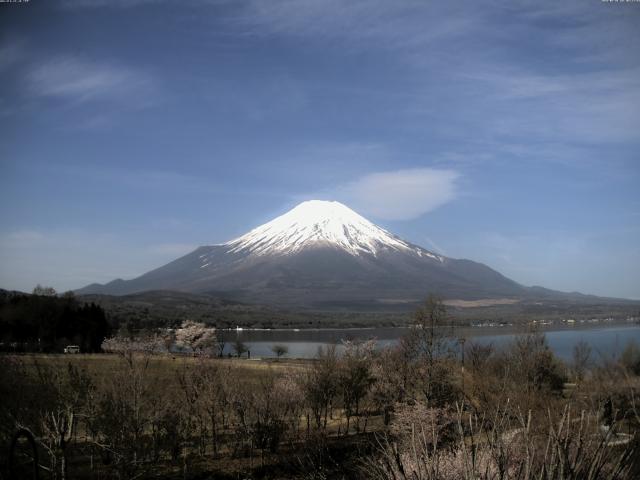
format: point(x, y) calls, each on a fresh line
point(164, 367)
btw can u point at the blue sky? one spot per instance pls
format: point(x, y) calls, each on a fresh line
point(504, 132)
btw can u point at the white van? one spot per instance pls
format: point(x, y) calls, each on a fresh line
point(72, 349)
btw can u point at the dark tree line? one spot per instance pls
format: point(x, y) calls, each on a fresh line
point(46, 323)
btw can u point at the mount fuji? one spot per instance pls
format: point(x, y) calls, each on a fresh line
point(320, 254)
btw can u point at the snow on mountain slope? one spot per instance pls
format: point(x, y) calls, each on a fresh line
point(317, 222)
point(319, 255)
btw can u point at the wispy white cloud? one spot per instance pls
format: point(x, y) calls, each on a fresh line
point(71, 77)
point(505, 87)
point(10, 54)
point(71, 4)
point(273, 96)
point(136, 178)
point(363, 23)
point(401, 194)
point(153, 182)
point(579, 106)
point(124, 4)
point(325, 163)
point(20, 238)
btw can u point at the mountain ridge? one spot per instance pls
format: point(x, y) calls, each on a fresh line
point(318, 255)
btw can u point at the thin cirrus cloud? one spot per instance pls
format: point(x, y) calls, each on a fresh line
point(71, 4)
point(597, 106)
point(70, 77)
point(578, 100)
point(401, 194)
point(9, 55)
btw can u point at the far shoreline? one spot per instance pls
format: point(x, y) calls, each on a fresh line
point(484, 329)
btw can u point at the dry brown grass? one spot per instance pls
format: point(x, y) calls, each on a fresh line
point(483, 302)
point(165, 367)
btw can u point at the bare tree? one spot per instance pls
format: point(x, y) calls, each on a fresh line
point(272, 411)
point(214, 399)
point(280, 350)
point(477, 355)
point(630, 357)
point(502, 445)
point(581, 358)
point(221, 342)
point(320, 385)
point(355, 377)
point(239, 347)
point(432, 333)
point(46, 402)
point(390, 385)
point(123, 414)
point(44, 291)
point(534, 365)
point(63, 395)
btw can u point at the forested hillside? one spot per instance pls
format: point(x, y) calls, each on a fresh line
point(46, 323)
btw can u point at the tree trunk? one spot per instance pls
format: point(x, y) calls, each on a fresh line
point(63, 466)
point(214, 434)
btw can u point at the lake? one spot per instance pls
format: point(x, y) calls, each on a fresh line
point(605, 341)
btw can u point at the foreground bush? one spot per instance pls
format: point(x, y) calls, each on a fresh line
point(431, 445)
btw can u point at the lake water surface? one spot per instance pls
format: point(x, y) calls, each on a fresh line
point(606, 341)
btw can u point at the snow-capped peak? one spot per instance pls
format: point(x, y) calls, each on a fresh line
point(317, 222)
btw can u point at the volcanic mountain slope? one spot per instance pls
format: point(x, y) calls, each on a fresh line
point(320, 254)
